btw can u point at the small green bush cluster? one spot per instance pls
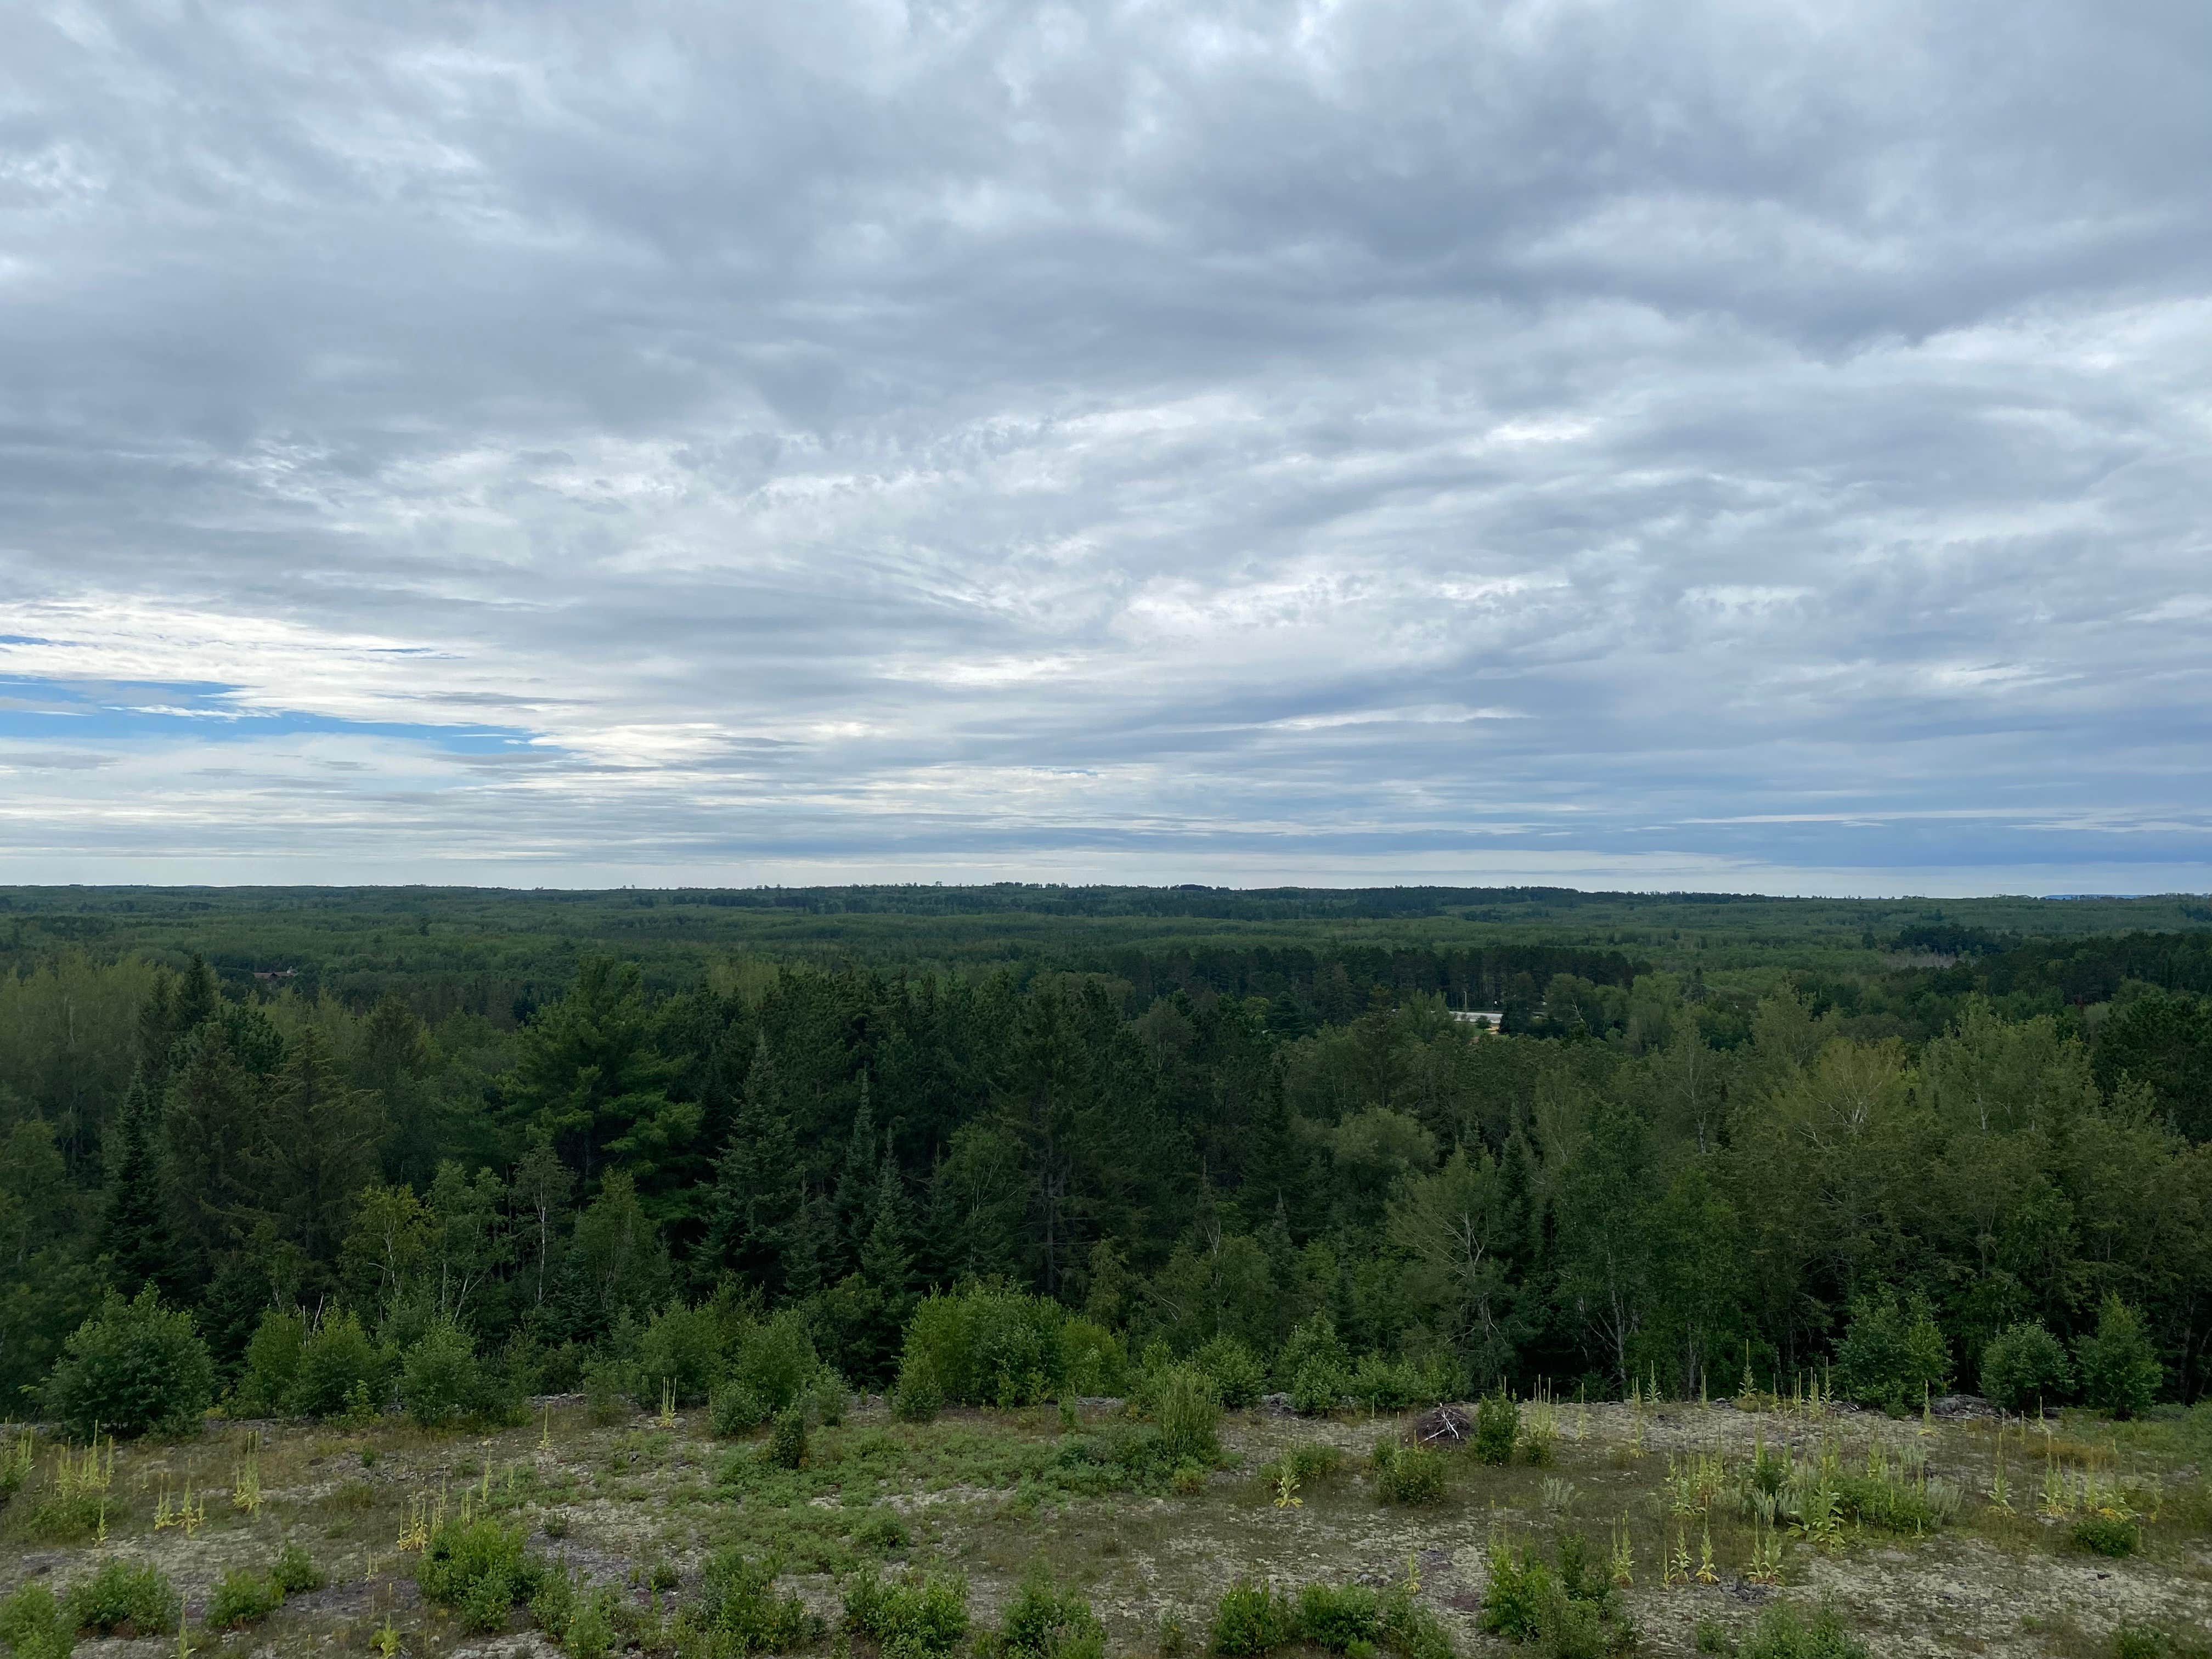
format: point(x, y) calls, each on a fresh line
point(339, 1370)
point(2025, 1367)
point(1568, 1608)
point(1238, 1377)
point(1784, 1633)
point(786, 1440)
point(920, 1616)
point(32, 1625)
point(1188, 1413)
point(738, 1611)
point(2113, 1535)
point(2119, 1365)
point(1252, 1620)
point(1315, 1366)
point(133, 1368)
point(244, 1597)
point(121, 1599)
point(1407, 1474)
point(442, 1381)
point(1894, 1355)
point(480, 1568)
point(1497, 1427)
point(985, 1345)
point(1041, 1622)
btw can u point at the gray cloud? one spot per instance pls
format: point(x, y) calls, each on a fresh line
point(1706, 445)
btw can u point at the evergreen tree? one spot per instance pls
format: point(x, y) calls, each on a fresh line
point(319, 1151)
point(137, 1246)
point(754, 1214)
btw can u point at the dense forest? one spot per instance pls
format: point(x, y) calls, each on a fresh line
point(1682, 1160)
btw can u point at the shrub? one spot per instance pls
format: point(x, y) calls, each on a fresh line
point(133, 1367)
point(1412, 1626)
point(1334, 1616)
point(682, 1348)
point(295, 1571)
point(339, 1368)
point(1384, 1384)
point(31, 1623)
point(121, 1597)
point(1252, 1619)
point(1310, 1460)
point(1235, 1371)
point(1497, 1427)
point(916, 1398)
point(920, 1616)
point(272, 1365)
point(1313, 1339)
point(1514, 1599)
point(1188, 1415)
point(735, 1409)
point(2025, 1366)
point(740, 1613)
point(826, 1399)
point(440, 1380)
point(2106, 1535)
point(787, 1440)
point(479, 1567)
point(1407, 1474)
point(1783, 1633)
point(1043, 1622)
point(989, 1345)
point(1894, 1356)
point(240, 1599)
point(1317, 1387)
point(775, 1359)
point(2120, 1372)
point(609, 1383)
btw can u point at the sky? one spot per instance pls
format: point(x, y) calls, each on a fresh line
point(1756, 447)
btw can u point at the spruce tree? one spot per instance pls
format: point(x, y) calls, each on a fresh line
point(754, 1214)
point(137, 1245)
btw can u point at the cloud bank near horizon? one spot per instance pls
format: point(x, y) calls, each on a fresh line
point(1715, 445)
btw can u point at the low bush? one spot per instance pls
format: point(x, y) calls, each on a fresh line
point(610, 1381)
point(1238, 1377)
point(1894, 1356)
point(2114, 1535)
point(1569, 1608)
point(1407, 1474)
point(133, 1368)
point(1519, 1585)
point(479, 1568)
point(440, 1380)
point(339, 1369)
point(1782, 1632)
point(1317, 1387)
point(2120, 1368)
point(991, 1345)
point(786, 1440)
point(32, 1625)
point(1252, 1619)
point(1190, 1416)
point(735, 1409)
point(1497, 1427)
point(1334, 1616)
point(2025, 1367)
point(241, 1598)
point(1044, 1623)
point(1384, 1384)
point(920, 1616)
point(738, 1611)
point(121, 1599)
point(295, 1571)
point(272, 1365)
point(916, 1397)
point(1310, 1460)
point(681, 1350)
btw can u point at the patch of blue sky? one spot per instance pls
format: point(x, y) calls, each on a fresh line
point(137, 712)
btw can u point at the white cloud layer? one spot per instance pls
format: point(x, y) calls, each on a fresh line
point(1700, 445)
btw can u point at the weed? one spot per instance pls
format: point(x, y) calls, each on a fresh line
point(121, 1597)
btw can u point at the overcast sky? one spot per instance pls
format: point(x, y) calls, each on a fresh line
point(1752, 447)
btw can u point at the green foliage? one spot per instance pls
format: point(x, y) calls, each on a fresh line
point(991, 1345)
point(240, 1599)
point(295, 1571)
point(2120, 1368)
point(121, 1598)
point(918, 1616)
point(775, 1359)
point(735, 1410)
point(1384, 1384)
point(479, 1567)
point(441, 1379)
point(1519, 1589)
point(338, 1367)
point(610, 1381)
point(1334, 1616)
point(786, 1440)
point(1407, 1474)
point(1317, 1387)
point(1188, 1415)
point(1238, 1377)
point(1252, 1619)
point(2025, 1367)
point(1041, 1622)
point(1569, 1609)
point(2114, 1535)
point(1782, 1632)
point(916, 1397)
point(1497, 1427)
point(738, 1611)
point(272, 1365)
point(1894, 1356)
point(1314, 1366)
point(133, 1368)
point(683, 1347)
point(32, 1625)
